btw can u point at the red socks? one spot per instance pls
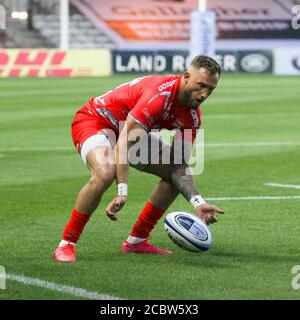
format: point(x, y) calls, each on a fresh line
point(146, 221)
point(75, 226)
point(142, 228)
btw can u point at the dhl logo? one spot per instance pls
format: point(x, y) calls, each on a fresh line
point(33, 64)
point(50, 63)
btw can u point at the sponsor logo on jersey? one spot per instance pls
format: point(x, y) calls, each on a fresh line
point(166, 115)
point(178, 123)
point(148, 115)
point(166, 85)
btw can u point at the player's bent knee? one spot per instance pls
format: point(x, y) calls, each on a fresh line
point(103, 177)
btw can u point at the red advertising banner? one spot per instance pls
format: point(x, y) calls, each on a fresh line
point(169, 20)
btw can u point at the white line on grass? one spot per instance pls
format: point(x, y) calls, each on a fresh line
point(44, 92)
point(279, 185)
point(254, 198)
point(83, 293)
point(77, 292)
point(37, 149)
point(253, 144)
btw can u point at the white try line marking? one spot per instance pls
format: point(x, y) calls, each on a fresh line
point(279, 185)
point(36, 149)
point(253, 144)
point(254, 198)
point(206, 145)
point(77, 292)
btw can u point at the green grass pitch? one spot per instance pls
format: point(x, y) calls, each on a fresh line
point(256, 242)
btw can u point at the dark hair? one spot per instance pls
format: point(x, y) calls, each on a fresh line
point(206, 63)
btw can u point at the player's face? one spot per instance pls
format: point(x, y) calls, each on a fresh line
point(199, 84)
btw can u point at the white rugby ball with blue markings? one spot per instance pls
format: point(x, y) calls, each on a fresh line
point(188, 231)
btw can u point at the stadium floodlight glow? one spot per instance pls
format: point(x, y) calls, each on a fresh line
point(15, 15)
point(21, 15)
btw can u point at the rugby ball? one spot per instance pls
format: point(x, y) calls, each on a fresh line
point(188, 231)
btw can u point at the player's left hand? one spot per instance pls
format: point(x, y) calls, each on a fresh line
point(207, 212)
point(116, 205)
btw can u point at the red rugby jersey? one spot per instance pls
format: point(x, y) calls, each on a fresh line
point(151, 101)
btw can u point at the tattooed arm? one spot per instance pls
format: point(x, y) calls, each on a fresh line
point(183, 180)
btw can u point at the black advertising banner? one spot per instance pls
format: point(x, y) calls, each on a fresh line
point(228, 60)
point(256, 62)
point(177, 61)
point(149, 61)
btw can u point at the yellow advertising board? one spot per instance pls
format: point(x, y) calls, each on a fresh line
point(54, 63)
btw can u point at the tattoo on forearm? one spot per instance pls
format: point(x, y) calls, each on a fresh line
point(183, 182)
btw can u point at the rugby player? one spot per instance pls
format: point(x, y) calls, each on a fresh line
point(101, 132)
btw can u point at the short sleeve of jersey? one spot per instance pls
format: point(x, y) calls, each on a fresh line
point(149, 109)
